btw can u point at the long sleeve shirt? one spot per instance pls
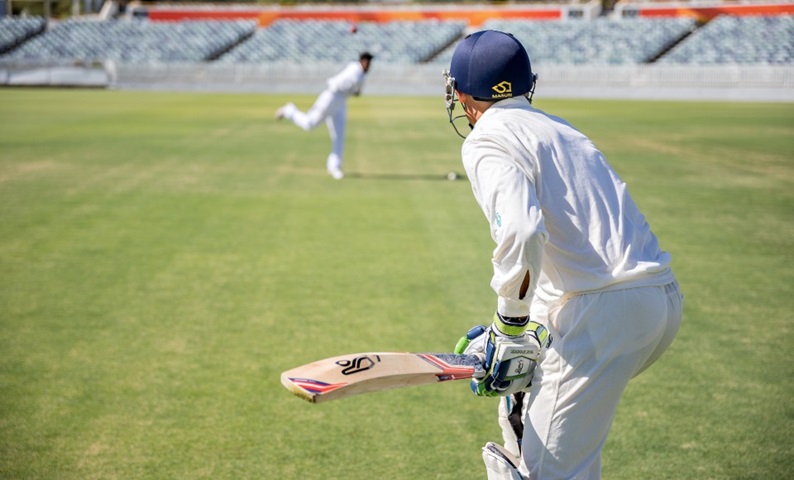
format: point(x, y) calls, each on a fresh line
point(557, 210)
point(349, 81)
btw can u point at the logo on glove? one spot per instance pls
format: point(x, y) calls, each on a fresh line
point(519, 367)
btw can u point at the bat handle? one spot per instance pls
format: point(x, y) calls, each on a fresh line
point(479, 370)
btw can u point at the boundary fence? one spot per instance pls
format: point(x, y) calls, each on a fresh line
point(773, 83)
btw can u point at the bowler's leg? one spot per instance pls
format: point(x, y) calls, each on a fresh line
point(336, 123)
point(312, 118)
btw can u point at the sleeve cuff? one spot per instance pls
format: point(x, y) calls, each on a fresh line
point(512, 308)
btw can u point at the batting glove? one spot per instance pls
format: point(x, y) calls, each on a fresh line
point(510, 348)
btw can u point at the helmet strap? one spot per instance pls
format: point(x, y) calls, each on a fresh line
point(531, 92)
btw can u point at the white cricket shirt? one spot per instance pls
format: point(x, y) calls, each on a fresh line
point(556, 209)
point(349, 81)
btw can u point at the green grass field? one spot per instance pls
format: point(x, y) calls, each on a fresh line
point(164, 256)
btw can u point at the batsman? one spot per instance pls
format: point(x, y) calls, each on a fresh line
point(586, 298)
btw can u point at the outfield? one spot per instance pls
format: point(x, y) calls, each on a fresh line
point(164, 256)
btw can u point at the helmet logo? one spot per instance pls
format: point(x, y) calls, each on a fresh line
point(503, 89)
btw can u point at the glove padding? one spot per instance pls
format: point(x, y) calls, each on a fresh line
point(509, 360)
point(500, 464)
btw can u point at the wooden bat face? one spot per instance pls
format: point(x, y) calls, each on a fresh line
point(347, 375)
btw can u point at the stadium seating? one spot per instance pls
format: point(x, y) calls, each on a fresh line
point(136, 41)
point(15, 30)
point(738, 40)
point(312, 41)
point(602, 41)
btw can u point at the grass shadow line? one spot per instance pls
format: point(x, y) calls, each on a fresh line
point(404, 176)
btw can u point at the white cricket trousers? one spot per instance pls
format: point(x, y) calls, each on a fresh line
point(331, 107)
point(601, 340)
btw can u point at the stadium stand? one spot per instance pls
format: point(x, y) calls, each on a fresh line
point(759, 40)
point(15, 30)
point(134, 41)
point(603, 41)
point(290, 50)
point(312, 41)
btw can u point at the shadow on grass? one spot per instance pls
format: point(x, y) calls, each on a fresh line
point(405, 176)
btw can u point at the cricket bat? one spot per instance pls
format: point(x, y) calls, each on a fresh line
point(347, 375)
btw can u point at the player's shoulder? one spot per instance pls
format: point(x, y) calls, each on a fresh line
point(350, 67)
point(500, 121)
point(487, 136)
point(355, 66)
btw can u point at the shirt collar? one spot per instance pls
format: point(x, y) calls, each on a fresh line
point(515, 102)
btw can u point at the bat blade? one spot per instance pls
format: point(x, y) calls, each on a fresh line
point(347, 375)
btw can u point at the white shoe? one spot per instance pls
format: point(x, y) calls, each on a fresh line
point(336, 173)
point(282, 112)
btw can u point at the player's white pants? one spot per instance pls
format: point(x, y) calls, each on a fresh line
point(601, 341)
point(331, 107)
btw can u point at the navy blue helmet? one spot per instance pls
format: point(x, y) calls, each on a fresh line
point(488, 65)
point(491, 65)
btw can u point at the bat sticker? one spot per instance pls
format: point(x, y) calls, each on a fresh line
point(358, 364)
point(316, 386)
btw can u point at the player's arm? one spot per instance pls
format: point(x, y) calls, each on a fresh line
point(512, 345)
point(507, 196)
point(347, 81)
